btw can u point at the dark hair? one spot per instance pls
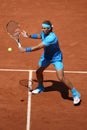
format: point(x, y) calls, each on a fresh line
point(49, 23)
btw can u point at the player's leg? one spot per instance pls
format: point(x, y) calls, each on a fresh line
point(39, 74)
point(62, 78)
point(60, 75)
point(40, 86)
point(43, 64)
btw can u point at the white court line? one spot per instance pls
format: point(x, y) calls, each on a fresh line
point(29, 101)
point(30, 86)
point(21, 70)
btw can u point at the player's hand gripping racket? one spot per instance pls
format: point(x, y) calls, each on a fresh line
point(13, 29)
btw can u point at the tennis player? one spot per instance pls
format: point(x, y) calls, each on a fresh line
point(52, 55)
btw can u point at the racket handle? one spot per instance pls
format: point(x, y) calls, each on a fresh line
point(18, 42)
point(19, 45)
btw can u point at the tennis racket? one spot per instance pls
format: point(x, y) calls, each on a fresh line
point(13, 30)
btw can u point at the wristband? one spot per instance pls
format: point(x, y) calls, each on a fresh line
point(28, 49)
point(35, 36)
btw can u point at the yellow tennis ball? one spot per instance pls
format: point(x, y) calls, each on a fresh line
point(10, 49)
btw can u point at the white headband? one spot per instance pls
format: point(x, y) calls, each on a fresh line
point(44, 25)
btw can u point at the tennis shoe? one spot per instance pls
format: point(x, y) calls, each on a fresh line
point(38, 90)
point(76, 98)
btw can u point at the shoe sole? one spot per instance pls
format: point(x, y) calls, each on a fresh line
point(77, 101)
point(34, 92)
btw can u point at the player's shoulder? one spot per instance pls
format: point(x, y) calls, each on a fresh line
point(52, 34)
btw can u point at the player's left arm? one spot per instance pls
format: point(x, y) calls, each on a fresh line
point(34, 48)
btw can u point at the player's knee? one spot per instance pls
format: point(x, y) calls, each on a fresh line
point(61, 78)
point(38, 71)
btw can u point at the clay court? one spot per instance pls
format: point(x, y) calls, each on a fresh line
point(53, 109)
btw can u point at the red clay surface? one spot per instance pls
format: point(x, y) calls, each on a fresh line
point(53, 109)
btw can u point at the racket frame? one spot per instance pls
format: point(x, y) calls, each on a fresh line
point(14, 37)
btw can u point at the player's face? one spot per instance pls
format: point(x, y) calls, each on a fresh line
point(46, 30)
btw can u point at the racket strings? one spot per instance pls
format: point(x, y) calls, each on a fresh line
point(13, 29)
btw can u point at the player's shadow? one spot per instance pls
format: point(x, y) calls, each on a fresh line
point(55, 86)
point(24, 82)
point(58, 86)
